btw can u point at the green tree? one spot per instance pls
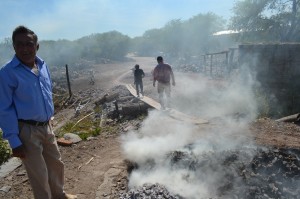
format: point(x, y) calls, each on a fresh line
point(180, 38)
point(6, 51)
point(109, 45)
point(173, 38)
point(59, 52)
point(199, 33)
point(150, 44)
point(267, 20)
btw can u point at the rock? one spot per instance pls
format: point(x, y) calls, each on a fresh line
point(72, 137)
point(21, 173)
point(111, 97)
point(9, 166)
point(5, 189)
point(109, 121)
point(64, 142)
point(91, 138)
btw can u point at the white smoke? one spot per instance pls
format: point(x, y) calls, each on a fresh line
point(159, 135)
point(209, 98)
point(228, 107)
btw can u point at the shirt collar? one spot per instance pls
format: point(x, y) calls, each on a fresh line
point(16, 62)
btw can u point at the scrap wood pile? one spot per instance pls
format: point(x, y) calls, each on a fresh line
point(94, 109)
point(62, 100)
point(120, 103)
point(118, 99)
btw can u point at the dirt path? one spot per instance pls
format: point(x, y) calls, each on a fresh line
point(112, 74)
point(96, 168)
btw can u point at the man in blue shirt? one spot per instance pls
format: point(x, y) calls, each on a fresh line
point(26, 107)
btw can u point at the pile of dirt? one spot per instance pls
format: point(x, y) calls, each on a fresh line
point(269, 132)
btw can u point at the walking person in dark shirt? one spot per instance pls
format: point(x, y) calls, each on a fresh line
point(163, 74)
point(138, 80)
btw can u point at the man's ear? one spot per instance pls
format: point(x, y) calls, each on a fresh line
point(37, 47)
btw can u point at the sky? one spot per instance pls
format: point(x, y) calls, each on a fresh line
point(73, 19)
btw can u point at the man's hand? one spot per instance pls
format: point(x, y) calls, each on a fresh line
point(173, 83)
point(18, 152)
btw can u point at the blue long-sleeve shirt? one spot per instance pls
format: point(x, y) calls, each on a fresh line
point(23, 95)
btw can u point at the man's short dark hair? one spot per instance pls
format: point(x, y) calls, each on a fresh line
point(137, 66)
point(22, 30)
point(160, 58)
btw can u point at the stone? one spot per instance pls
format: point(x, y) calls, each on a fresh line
point(72, 137)
point(64, 142)
point(5, 189)
point(9, 166)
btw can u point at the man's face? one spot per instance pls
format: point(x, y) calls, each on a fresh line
point(26, 47)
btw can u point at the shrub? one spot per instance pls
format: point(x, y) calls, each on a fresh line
point(5, 151)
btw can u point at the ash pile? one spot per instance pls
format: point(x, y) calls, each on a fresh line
point(242, 173)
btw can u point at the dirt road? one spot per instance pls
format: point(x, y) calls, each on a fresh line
point(112, 74)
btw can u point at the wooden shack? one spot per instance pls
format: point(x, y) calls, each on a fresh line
point(277, 68)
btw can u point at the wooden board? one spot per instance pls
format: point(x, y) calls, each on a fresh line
point(145, 99)
point(173, 113)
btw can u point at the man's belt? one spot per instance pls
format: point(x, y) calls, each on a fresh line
point(34, 123)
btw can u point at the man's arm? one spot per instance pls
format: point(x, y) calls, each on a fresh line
point(143, 74)
point(8, 117)
point(154, 76)
point(172, 76)
point(153, 83)
point(19, 152)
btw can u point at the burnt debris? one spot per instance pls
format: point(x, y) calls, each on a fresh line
point(243, 173)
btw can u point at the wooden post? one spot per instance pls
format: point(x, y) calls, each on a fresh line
point(68, 80)
point(231, 50)
point(117, 108)
point(211, 60)
point(227, 64)
point(227, 58)
point(204, 69)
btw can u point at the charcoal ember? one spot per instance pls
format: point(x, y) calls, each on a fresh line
point(179, 159)
point(151, 191)
point(242, 173)
point(273, 169)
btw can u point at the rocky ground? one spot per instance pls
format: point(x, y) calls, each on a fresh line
point(98, 168)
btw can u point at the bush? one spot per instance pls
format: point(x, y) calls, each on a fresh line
point(5, 151)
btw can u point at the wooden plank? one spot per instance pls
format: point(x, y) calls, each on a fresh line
point(173, 113)
point(145, 99)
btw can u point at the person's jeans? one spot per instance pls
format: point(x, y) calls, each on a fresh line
point(139, 87)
